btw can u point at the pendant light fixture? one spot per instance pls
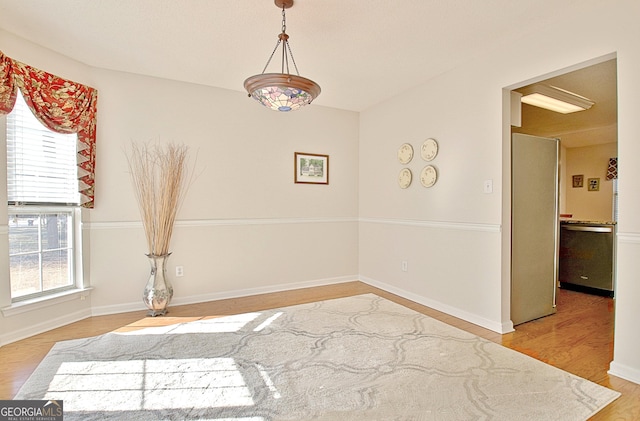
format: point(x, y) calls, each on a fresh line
point(282, 91)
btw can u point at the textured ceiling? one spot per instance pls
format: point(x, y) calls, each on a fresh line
point(361, 52)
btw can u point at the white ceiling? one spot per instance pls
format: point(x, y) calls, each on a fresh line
point(594, 126)
point(361, 52)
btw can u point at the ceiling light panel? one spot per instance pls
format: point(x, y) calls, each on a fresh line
point(556, 99)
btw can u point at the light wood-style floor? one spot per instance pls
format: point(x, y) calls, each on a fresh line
point(578, 338)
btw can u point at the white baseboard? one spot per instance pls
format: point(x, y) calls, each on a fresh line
point(44, 326)
point(507, 327)
point(47, 325)
point(202, 298)
point(139, 306)
point(436, 305)
point(624, 372)
point(118, 308)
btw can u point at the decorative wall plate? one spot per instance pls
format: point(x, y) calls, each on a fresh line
point(404, 178)
point(429, 149)
point(405, 153)
point(428, 176)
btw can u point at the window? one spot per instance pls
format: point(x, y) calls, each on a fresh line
point(40, 251)
point(43, 198)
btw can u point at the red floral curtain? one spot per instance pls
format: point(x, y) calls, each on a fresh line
point(62, 106)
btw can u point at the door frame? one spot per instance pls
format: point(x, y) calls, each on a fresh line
point(511, 113)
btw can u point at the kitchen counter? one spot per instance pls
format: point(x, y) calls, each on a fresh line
point(574, 221)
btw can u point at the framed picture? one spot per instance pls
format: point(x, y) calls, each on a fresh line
point(311, 168)
point(577, 180)
point(594, 184)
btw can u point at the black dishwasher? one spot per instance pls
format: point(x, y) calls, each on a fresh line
point(587, 256)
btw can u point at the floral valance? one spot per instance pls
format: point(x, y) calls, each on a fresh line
point(61, 105)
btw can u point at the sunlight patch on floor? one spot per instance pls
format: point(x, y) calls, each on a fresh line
point(149, 384)
point(226, 324)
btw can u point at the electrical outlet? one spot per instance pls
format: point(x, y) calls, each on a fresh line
point(179, 271)
point(405, 266)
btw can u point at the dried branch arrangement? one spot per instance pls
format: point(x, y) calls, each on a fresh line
point(160, 176)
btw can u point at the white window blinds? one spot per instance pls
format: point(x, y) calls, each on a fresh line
point(41, 164)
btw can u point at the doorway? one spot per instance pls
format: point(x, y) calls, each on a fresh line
point(588, 139)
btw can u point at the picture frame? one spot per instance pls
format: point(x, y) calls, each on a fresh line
point(310, 168)
point(578, 180)
point(594, 184)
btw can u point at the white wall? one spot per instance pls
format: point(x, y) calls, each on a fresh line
point(245, 225)
point(591, 162)
point(449, 233)
point(244, 228)
point(455, 237)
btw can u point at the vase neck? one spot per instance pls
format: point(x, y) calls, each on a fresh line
point(155, 256)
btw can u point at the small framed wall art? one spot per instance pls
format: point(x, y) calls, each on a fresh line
point(594, 184)
point(578, 180)
point(310, 168)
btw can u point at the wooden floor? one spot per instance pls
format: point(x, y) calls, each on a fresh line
point(577, 339)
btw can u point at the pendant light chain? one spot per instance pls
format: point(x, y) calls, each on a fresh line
point(286, 45)
point(284, 28)
point(293, 60)
point(283, 35)
point(271, 56)
point(284, 21)
point(282, 91)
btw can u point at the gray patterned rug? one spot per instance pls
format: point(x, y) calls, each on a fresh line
point(356, 358)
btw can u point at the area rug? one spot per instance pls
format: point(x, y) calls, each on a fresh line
point(356, 358)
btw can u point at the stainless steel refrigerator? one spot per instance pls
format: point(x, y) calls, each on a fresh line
point(534, 227)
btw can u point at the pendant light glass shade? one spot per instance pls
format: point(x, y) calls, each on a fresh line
point(282, 91)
